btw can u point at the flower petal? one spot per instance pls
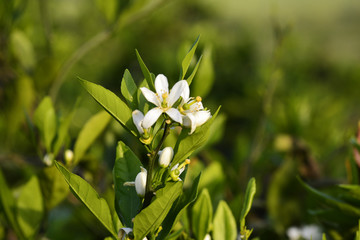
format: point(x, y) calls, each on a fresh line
point(138, 117)
point(151, 117)
point(185, 94)
point(192, 119)
point(202, 117)
point(176, 91)
point(161, 85)
point(150, 96)
point(175, 115)
point(196, 107)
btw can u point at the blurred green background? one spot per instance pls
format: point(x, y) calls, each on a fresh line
point(286, 73)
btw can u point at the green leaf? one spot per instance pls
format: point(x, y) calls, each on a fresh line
point(45, 120)
point(192, 75)
point(205, 75)
point(202, 215)
point(187, 144)
point(129, 89)
point(112, 104)
point(90, 198)
point(53, 186)
point(224, 223)
point(30, 208)
point(88, 134)
point(187, 59)
point(7, 204)
point(249, 197)
point(331, 201)
point(23, 49)
point(352, 190)
point(149, 78)
point(63, 132)
point(126, 167)
point(150, 218)
point(143, 104)
point(179, 206)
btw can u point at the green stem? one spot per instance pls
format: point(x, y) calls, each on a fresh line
point(148, 188)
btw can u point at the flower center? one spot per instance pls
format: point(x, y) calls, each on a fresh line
point(164, 103)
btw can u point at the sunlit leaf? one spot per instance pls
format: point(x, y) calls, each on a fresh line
point(149, 78)
point(112, 104)
point(205, 75)
point(186, 144)
point(90, 198)
point(187, 59)
point(150, 218)
point(8, 205)
point(45, 120)
point(224, 223)
point(129, 89)
point(30, 208)
point(249, 197)
point(126, 167)
point(192, 75)
point(179, 206)
point(91, 130)
point(202, 213)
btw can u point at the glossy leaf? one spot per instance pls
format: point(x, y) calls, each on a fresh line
point(187, 59)
point(202, 213)
point(150, 218)
point(249, 197)
point(88, 134)
point(7, 205)
point(149, 78)
point(30, 208)
point(112, 104)
point(187, 144)
point(129, 90)
point(90, 198)
point(45, 120)
point(224, 223)
point(54, 187)
point(126, 167)
point(179, 206)
point(331, 201)
point(192, 75)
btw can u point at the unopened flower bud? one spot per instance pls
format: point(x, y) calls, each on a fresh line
point(69, 156)
point(166, 156)
point(48, 159)
point(140, 182)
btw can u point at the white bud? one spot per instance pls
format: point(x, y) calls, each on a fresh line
point(166, 156)
point(48, 159)
point(140, 182)
point(69, 156)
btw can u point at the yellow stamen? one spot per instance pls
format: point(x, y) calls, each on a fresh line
point(198, 99)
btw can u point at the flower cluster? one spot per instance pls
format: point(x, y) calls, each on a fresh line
point(177, 106)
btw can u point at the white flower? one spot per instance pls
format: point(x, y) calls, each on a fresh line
point(124, 232)
point(177, 170)
point(163, 99)
point(194, 114)
point(48, 159)
point(138, 118)
point(207, 237)
point(294, 233)
point(307, 232)
point(140, 182)
point(166, 156)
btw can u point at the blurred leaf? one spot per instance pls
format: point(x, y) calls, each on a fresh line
point(63, 132)
point(187, 144)
point(205, 75)
point(217, 130)
point(91, 130)
point(249, 197)
point(179, 206)
point(331, 201)
point(23, 49)
point(129, 90)
point(150, 218)
point(126, 167)
point(109, 8)
point(30, 208)
point(112, 104)
point(202, 215)
point(353, 190)
point(45, 120)
point(7, 202)
point(192, 75)
point(187, 59)
point(90, 198)
point(224, 223)
point(149, 78)
point(54, 187)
